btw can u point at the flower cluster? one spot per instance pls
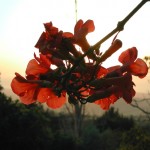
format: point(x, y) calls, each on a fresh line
point(68, 68)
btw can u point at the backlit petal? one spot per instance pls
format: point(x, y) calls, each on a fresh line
point(139, 68)
point(34, 68)
point(104, 103)
point(78, 26)
point(44, 94)
point(26, 91)
point(28, 97)
point(55, 101)
point(89, 25)
point(128, 56)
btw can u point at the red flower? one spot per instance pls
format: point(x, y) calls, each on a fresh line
point(80, 31)
point(57, 43)
point(109, 89)
point(32, 89)
point(136, 66)
point(25, 90)
point(112, 88)
point(49, 40)
point(111, 94)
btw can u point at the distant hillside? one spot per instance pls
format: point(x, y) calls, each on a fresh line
point(93, 109)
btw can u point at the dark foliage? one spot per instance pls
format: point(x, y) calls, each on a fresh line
point(23, 127)
point(111, 119)
point(32, 127)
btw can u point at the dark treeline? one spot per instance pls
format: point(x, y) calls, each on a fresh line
point(34, 128)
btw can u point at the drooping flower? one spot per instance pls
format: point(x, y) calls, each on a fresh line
point(118, 80)
point(109, 90)
point(26, 91)
point(33, 89)
point(135, 65)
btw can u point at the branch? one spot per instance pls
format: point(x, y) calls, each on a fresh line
point(136, 105)
point(120, 27)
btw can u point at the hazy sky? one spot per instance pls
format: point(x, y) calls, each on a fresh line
point(21, 23)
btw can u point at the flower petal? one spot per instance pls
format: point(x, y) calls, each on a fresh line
point(128, 56)
point(139, 68)
point(29, 96)
point(44, 94)
point(78, 26)
point(26, 91)
point(89, 25)
point(104, 103)
point(56, 102)
point(33, 68)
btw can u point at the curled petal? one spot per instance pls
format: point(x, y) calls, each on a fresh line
point(139, 68)
point(128, 56)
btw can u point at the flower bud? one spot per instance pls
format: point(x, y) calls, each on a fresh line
point(112, 49)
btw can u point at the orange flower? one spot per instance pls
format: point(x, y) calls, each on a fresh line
point(117, 80)
point(80, 31)
point(32, 88)
point(109, 90)
point(135, 65)
point(83, 81)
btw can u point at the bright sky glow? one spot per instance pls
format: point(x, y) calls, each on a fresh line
point(22, 23)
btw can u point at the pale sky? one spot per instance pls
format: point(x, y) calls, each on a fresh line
point(21, 23)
